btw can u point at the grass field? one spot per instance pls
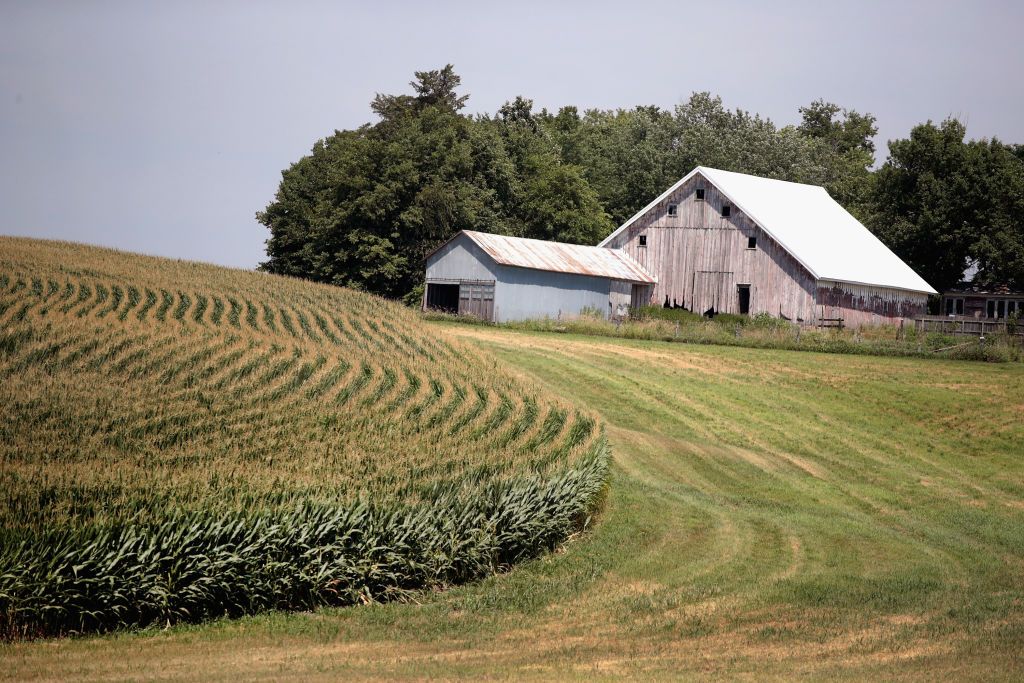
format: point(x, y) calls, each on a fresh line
point(183, 441)
point(771, 514)
point(762, 331)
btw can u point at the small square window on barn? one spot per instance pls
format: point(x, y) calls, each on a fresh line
point(672, 209)
point(643, 240)
point(751, 243)
point(726, 210)
point(700, 194)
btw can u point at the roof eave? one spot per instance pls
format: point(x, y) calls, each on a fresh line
point(916, 290)
point(445, 243)
point(636, 281)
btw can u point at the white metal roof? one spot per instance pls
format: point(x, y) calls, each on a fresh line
point(560, 257)
point(814, 228)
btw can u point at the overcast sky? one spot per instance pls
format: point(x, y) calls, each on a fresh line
point(163, 127)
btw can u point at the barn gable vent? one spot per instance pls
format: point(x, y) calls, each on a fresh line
point(672, 209)
point(700, 194)
point(726, 210)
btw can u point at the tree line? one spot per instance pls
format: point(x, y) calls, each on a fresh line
point(366, 206)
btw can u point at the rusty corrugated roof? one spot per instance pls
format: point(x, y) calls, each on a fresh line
point(560, 257)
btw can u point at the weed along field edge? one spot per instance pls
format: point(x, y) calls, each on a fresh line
point(770, 514)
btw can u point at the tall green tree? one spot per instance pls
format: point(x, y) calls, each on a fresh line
point(631, 156)
point(366, 206)
point(847, 151)
point(555, 201)
point(943, 203)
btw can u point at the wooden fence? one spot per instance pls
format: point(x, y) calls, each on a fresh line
point(975, 327)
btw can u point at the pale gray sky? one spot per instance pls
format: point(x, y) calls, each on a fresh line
point(163, 127)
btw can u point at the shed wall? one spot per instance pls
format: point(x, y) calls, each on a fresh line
point(700, 257)
point(460, 259)
point(523, 293)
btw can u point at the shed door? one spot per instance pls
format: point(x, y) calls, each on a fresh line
point(477, 298)
point(640, 296)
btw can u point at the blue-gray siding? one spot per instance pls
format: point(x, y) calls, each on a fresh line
point(460, 259)
point(523, 293)
point(520, 293)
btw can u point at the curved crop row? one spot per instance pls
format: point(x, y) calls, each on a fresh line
point(192, 567)
point(168, 424)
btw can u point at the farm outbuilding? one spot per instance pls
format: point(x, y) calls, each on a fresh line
point(501, 278)
point(736, 243)
point(972, 301)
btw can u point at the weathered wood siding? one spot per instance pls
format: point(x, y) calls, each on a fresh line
point(700, 257)
point(860, 305)
point(619, 295)
point(977, 304)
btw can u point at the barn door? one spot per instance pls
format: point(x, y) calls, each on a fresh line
point(640, 296)
point(711, 290)
point(744, 296)
point(477, 298)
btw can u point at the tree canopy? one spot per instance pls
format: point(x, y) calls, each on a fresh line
point(943, 204)
point(366, 206)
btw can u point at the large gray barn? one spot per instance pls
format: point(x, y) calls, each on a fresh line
point(502, 278)
point(737, 243)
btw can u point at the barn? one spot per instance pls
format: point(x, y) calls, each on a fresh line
point(501, 278)
point(738, 243)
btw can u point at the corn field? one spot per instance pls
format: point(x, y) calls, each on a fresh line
point(182, 441)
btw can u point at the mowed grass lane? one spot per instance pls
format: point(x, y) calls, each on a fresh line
point(770, 514)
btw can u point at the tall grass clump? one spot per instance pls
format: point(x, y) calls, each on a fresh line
point(183, 442)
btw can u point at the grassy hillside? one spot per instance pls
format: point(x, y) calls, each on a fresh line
point(772, 515)
point(183, 441)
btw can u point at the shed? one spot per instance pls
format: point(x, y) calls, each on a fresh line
point(500, 278)
point(736, 243)
point(970, 300)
